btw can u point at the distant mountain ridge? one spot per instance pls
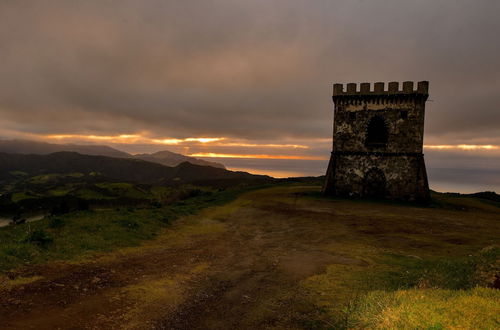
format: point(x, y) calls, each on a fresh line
point(169, 158)
point(120, 169)
point(44, 148)
point(165, 157)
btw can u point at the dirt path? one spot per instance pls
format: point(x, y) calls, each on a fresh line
point(245, 265)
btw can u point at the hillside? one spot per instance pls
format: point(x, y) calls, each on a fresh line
point(277, 258)
point(120, 169)
point(44, 148)
point(164, 157)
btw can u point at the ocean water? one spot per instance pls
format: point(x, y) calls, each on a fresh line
point(459, 177)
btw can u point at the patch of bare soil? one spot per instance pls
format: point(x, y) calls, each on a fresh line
point(238, 266)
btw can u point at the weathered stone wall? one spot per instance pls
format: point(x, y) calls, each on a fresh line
point(405, 175)
point(405, 134)
point(399, 161)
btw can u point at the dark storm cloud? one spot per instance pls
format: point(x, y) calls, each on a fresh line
point(246, 69)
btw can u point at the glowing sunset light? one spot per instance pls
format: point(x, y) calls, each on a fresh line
point(94, 137)
point(131, 138)
point(204, 139)
point(463, 147)
point(235, 144)
point(143, 138)
point(258, 156)
point(273, 173)
point(167, 141)
point(178, 141)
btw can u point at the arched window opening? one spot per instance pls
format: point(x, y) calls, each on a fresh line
point(377, 133)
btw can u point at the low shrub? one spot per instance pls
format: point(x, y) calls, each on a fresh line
point(156, 204)
point(60, 209)
point(39, 237)
point(130, 224)
point(56, 222)
point(83, 205)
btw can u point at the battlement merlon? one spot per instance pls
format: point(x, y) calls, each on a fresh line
point(364, 89)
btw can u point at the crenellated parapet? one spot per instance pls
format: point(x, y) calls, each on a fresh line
point(395, 92)
point(379, 88)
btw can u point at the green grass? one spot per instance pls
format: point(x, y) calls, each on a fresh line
point(19, 196)
point(125, 190)
point(89, 194)
point(161, 192)
point(428, 267)
point(476, 308)
point(18, 173)
point(45, 178)
point(454, 272)
point(464, 203)
point(407, 292)
point(60, 191)
point(78, 233)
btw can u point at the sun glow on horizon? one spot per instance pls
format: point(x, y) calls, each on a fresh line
point(255, 156)
point(270, 172)
point(92, 137)
point(145, 139)
point(464, 147)
point(131, 138)
point(178, 141)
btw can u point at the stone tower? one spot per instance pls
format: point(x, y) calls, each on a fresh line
point(377, 142)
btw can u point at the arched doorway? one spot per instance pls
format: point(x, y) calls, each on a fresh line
point(377, 133)
point(374, 184)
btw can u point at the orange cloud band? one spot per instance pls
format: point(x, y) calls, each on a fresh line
point(237, 144)
point(140, 138)
point(463, 147)
point(256, 156)
point(131, 138)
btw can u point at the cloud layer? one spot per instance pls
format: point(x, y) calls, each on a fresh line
point(254, 72)
point(242, 69)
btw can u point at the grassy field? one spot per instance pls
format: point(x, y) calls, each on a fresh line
point(81, 233)
point(431, 293)
point(427, 309)
point(433, 267)
point(278, 258)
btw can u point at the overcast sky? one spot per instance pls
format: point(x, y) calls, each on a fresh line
point(254, 73)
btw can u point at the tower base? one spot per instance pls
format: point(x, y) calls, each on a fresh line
point(398, 176)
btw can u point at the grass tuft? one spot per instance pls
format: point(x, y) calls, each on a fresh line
point(476, 308)
point(39, 237)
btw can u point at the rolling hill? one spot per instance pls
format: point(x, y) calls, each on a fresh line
point(119, 169)
point(169, 158)
point(164, 157)
point(44, 148)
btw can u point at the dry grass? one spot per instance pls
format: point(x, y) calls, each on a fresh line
point(477, 308)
